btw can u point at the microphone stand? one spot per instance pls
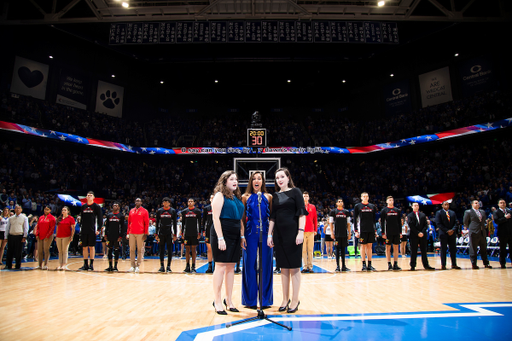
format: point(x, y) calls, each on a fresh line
point(261, 314)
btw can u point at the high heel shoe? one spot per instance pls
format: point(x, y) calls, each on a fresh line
point(233, 310)
point(285, 307)
point(220, 312)
point(291, 311)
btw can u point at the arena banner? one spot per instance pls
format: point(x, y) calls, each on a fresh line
point(411, 141)
point(435, 87)
point(109, 99)
point(431, 199)
point(397, 97)
point(476, 75)
point(72, 89)
point(29, 78)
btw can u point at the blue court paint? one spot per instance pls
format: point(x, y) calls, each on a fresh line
point(471, 321)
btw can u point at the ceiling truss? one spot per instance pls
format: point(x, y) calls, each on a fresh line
point(113, 11)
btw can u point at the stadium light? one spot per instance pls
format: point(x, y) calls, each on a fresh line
point(51, 57)
point(113, 76)
point(381, 3)
point(125, 5)
point(289, 80)
point(161, 82)
point(216, 81)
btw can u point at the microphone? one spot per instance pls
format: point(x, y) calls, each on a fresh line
point(259, 197)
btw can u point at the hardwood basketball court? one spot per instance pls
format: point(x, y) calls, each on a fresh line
point(73, 305)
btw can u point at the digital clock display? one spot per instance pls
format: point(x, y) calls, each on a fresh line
point(257, 137)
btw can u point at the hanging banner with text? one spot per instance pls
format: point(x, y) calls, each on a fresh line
point(109, 99)
point(435, 87)
point(476, 76)
point(397, 98)
point(253, 32)
point(407, 142)
point(72, 90)
point(29, 78)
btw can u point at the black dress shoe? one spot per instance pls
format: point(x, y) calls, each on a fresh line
point(233, 310)
point(413, 268)
point(291, 311)
point(455, 267)
point(285, 308)
point(488, 266)
point(443, 267)
point(429, 268)
point(475, 267)
point(503, 266)
point(220, 312)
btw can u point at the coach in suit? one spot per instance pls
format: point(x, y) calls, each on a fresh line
point(446, 221)
point(417, 222)
point(503, 217)
point(474, 220)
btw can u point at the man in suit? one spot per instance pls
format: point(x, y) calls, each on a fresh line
point(502, 216)
point(474, 220)
point(417, 222)
point(446, 222)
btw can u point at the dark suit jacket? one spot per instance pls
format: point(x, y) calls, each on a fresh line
point(415, 226)
point(443, 224)
point(471, 220)
point(504, 224)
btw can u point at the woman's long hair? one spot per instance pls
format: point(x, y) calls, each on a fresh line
point(221, 186)
point(250, 189)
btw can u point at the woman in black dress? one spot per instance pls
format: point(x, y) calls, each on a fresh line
point(227, 211)
point(289, 218)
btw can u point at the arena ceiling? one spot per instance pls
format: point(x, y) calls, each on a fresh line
point(95, 11)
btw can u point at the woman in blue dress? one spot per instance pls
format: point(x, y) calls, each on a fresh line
point(250, 235)
point(227, 212)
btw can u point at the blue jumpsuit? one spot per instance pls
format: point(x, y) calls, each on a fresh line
point(250, 255)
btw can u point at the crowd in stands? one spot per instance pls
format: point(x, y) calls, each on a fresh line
point(229, 129)
point(32, 174)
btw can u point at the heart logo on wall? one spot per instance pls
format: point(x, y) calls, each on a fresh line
point(30, 78)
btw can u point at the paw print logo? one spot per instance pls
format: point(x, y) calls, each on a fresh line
point(110, 100)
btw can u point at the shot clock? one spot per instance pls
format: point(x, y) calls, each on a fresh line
point(256, 137)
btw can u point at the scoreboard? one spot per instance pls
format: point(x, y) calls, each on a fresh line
point(256, 137)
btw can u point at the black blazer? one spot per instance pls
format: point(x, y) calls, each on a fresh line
point(415, 226)
point(443, 224)
point(504, 224)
